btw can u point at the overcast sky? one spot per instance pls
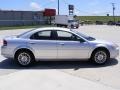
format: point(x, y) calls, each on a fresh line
point(82, 7)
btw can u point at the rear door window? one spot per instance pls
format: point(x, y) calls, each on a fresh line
point(43, 35)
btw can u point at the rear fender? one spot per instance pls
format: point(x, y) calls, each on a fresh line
point(23, 47)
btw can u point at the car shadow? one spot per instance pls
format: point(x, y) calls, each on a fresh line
point(9, 64)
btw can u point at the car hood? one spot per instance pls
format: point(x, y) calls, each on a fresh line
point(103, 42)
point(98, 41)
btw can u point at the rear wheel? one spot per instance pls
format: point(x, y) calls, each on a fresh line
point(100, 56)
point(24, 58)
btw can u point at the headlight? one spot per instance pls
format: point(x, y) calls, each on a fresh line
point(114, 46)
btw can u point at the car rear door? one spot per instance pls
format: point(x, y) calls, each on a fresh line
point(44, 44)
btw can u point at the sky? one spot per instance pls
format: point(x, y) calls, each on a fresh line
point(82, 7)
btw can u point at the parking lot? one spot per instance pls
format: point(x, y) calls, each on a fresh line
point(108, 74)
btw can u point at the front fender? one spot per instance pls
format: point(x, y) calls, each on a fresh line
point(94, 47)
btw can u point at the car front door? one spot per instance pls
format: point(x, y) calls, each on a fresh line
point(70, 46)
point(44, 45)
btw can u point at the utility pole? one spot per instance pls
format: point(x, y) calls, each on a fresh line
point(113, 5)
point(58, 7)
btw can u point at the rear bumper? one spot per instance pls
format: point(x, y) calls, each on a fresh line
point(6, 52)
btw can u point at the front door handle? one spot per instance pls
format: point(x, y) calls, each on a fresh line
point(62, 43)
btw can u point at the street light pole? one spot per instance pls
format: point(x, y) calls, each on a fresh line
point(113, 4)
point(58, 7)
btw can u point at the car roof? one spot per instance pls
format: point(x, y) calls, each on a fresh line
point(52, 28)
point(26, 34)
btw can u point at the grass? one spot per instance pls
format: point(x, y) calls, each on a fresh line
point(93, 19)
point(22, 27)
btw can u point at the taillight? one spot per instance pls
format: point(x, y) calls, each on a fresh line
point(4, 43)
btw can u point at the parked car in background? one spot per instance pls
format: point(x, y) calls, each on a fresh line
point(56, 44)
point(74, 24)
point(118, 23)
point(111, 23)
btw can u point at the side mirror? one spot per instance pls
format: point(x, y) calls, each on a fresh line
point(81, 40)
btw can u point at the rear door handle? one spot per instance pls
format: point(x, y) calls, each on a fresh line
point(32, 43)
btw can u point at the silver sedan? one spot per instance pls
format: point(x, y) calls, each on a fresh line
point(56, 44)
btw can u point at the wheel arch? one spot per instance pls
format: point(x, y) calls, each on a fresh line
point(23, 49)
point(100, 48)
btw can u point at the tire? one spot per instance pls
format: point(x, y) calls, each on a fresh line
point(66, 26)
point(58, 25)
point(100, 57)
point(24, 58)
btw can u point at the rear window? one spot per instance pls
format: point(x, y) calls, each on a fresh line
point(25, 33)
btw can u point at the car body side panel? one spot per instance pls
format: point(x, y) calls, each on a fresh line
point(13, 44)
point(73, 50)
point(43, 49)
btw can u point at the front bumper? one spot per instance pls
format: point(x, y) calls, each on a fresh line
point(114, 53)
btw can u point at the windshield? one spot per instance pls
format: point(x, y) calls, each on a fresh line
point(72, 21)
point(24, 33)
point(84, 36)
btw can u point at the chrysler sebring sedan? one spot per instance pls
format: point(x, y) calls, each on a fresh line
point(57, 44)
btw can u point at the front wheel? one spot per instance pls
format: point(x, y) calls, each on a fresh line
point(24, 58)
point(100, 57)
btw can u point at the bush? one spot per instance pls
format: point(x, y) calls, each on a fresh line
point(99, 23)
